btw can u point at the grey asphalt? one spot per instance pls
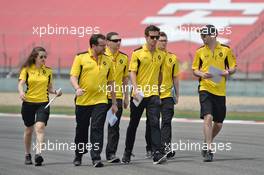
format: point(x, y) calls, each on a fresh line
point(245, 157)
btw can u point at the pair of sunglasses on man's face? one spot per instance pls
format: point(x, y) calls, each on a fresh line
point(115, 40)
point(154, 37)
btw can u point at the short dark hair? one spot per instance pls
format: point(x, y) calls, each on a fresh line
point(110, 34)
point(94, 39)
point(151, 28)
point(163, 34)
point(209, 30)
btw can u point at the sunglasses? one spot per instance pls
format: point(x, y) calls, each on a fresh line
point(43, 56)
point(154, 37)
point(115, 40)
point(163, 40)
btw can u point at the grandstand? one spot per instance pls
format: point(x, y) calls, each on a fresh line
point(59, 27)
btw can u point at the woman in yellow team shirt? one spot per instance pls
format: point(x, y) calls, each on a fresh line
point(38, 79)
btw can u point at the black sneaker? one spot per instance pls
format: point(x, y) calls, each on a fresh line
point(208, 156)
point(98, 164)
point(203, 152)
point(159, 158)
point(113, 159)
point(126, 157)
point(204, 149)
point(38, 160)
point(28, 160)
point(77, 160)
point(149, 154)
point(170, 154)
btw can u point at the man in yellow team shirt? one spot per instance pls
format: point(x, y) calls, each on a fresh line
point(145, 73)
point(120, 65)
point(213, 64)
point(170, 83)
point(90, 73)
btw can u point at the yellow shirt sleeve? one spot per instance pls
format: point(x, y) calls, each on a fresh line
point(231, 59)
point(23, 74)
point(76, 67)
point(51, 76)
point(196, 61)
point(176, 68)
point(133, 66)
point(111, 73)
point(126, 69)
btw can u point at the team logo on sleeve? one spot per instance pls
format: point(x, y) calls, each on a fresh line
point(104, 63)
point(121, 61)
point(220, 54)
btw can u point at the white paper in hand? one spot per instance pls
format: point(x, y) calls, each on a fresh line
point(140, 98)
point(173, 93)
point(216, 74)
point(52, 99)
point(110, 117)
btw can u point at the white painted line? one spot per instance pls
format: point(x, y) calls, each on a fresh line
point(179, 120)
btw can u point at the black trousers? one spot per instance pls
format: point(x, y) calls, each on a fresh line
point(167, 112)
point(84, 114)
point(113, 131)
point(152, 105)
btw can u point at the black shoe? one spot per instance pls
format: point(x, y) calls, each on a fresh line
point(126, 157)
point(113, 159)
point(203, 152)
point(98, 164)
point(170, 154)
point(77, 160)
point(204, 149)
point(209, 156)
point(159, 158)
point(28, 160)
point(38, 160)
point(149, 154)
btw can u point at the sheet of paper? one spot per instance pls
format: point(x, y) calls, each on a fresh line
point(52, 99)
point(140, 98)
point(173, 93)
point(216, 74)
point(111, 118)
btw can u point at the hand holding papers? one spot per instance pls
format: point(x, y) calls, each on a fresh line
point(110, 117)
point(140, 97)
point(216, 74)
point(58, 92)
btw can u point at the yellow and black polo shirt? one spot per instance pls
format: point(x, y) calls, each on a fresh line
point(147, 67)
point(37, 82)
point(93, 77)
point(120, 66)
point(222, 58)
point(170, 70)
